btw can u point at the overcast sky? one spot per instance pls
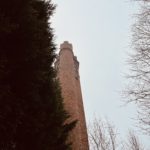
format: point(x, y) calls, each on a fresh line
point(100, 31)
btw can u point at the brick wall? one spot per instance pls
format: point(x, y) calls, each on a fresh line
point(68, 74)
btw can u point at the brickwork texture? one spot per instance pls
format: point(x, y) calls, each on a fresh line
point(67, 66)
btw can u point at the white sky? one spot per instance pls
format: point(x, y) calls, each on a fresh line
point(100, 31)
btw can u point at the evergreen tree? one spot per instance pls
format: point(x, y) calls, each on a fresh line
point(32, 114)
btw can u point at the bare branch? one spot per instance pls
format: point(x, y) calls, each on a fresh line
point(133, 142)
point(138, 90)
point(102, 135)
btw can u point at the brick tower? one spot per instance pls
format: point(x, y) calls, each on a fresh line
point(67, 66)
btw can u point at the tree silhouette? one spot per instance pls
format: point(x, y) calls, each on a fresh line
point(32, 114)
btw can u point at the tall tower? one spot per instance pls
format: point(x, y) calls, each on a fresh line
point(67, 66)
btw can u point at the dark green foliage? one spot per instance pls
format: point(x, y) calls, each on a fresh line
point(32, 116)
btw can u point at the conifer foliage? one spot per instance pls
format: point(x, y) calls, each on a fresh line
point(32, 116)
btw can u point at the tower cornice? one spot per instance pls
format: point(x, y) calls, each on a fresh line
point(66, 46)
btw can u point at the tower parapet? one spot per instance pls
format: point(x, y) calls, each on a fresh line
point(67, 66)
point(66, 45)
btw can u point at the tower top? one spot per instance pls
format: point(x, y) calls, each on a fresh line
point(66, 45)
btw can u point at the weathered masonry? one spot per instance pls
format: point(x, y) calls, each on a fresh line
point(67, 66)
